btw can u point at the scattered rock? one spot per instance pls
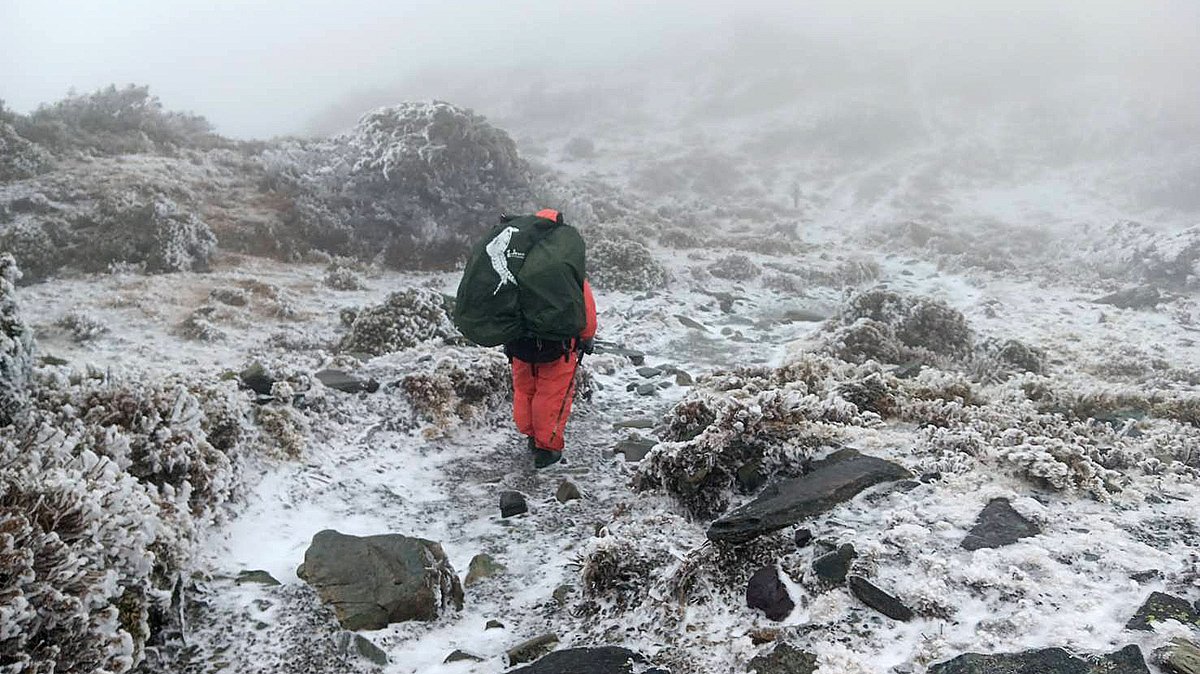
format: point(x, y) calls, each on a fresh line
point(1181, 657)
point(512, 503)
point(528, 651)
point(646, 389)
point(683, 379)
point(691, 323)
point(784, 659)
point(766, 592)
point(878, 599)
point(1146, 576)
point(649, 372)
point(833, 567)
point(642, 424)
point(346, 382)
point(256, 576)
point(998, 525)
point(803, 537)
point(636, 357)
point(482, 566)
point(750, 477)
point(567, 491)
point(803, 316)
point(602, 660)
point(561, 594)
point(460, 655)
point(493, 625)
point(1160, 607)
point(664, 384)
point(763, 635)
point(349, 643)
point(634, 449)
point(835, 480)
point(372, 581)
point(1128, 660)
point(1140, 297)
point(256, 379)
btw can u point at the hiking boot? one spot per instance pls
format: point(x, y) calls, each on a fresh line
point(531, 443)
point(545, 457)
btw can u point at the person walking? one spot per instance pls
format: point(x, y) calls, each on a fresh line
point(525, 286)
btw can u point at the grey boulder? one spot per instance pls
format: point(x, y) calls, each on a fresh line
point(1128, 660)
point(372, 581)
point(602, 660)
point(998, 525)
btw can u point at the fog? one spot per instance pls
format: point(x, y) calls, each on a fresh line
point(265, 68)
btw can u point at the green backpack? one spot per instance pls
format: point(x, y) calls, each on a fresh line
point(524, 279)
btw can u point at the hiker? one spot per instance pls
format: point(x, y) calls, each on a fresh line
point(525, 287)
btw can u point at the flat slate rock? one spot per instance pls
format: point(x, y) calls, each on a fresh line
point(833, 481)
point(1161, 606)
point(834, 566)
point(345, 382)
point(784, 659)
point(879, 600)
point(634, 449)
point(649, 372)
point(1140, 297)
point(766, 592)
point(691, 323)
point(372, 581)
point(602, 660)
point(1182, 657)
point(1128, 660)
point(635, 423)
point(998, 525)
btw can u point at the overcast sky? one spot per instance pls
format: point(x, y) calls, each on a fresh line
point(263, 67)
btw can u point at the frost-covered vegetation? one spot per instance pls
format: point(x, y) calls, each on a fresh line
point(404, 320)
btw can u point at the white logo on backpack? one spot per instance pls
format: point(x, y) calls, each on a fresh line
point(496, 253)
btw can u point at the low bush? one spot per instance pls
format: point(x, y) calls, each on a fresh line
point(624, 265)
point(404, 320)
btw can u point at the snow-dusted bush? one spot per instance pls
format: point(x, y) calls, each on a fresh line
point(115, 121)
point(414, 183)
point(19, 158)
point(199, 326)
point(758, 421)
point(735, 267)
point(82, 326)
point(37, 244)
point(624, 265)
point(786, 283)
point(405, 319)
point(16, 345)
point(467, 386)
point(234, 297)
point(1129, 249)
point(149, 230)
point(678, 237)
point(997, 360)
point(344, 278)
point(886, 326)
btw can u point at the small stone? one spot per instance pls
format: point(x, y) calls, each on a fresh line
point(512, 503)
point(482, 566)
point(691, 323)
point(256, 576)
point(567, 491)
point(750, 477)
point(1146, 576)
point(766, 592)
point(998, 525)
point(1140, 297)
point(346, 382)
point(1181, 657)
point(634, 449)
point(1160, 607)
point(493, 625)
point(561, 593)
point(632, 386)
point(350, 643)
point(461, 656)
point(803, 537)
point(803, 316)
point(683, 379)
point(528, 651)
point(649, 372)
point(646, 389)
point(879, 600)
point(784, 659)
point(763, 635)
point(833, 567)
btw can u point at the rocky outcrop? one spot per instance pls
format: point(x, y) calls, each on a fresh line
point(1160, 607)
point(602, 660)
point(372, 581)
point(1128, 660)
point(833, 481)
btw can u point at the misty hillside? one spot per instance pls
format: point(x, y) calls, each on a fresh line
point(896, 370)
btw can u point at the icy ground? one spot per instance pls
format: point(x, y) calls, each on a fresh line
point(361, 474)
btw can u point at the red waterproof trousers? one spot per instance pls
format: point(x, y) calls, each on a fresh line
point(542, 392)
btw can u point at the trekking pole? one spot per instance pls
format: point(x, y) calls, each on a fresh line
point(558, 421)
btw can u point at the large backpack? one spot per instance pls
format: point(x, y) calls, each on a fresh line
point(524, 279)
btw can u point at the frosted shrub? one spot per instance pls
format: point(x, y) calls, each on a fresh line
point(624, 265)
point(16, 345)
point(884, 325)
point(19, 158)
point(735, 267)
point(344, 278)
point(81, 326)
point(150, 230)
point(469, 386)
point(36, 244)
point(404, 320)
point(678, 237)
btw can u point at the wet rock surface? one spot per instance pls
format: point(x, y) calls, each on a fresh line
point(1128, 660)
point(834, 566)
point(1181, 657)
point(512, 503)
point(531, 649)
point(601, 660)
point(879, 600)
point(766, 592)
point(832, 481)
point(345, 382)
point(1160, 607)
point(998, 525)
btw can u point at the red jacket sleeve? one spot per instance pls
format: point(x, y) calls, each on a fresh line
point(589, 308)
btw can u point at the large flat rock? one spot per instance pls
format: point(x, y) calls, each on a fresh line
point(998, 525)
point(832, 481)
point(1128, 660)
point(371, 581)
point(602, 660)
